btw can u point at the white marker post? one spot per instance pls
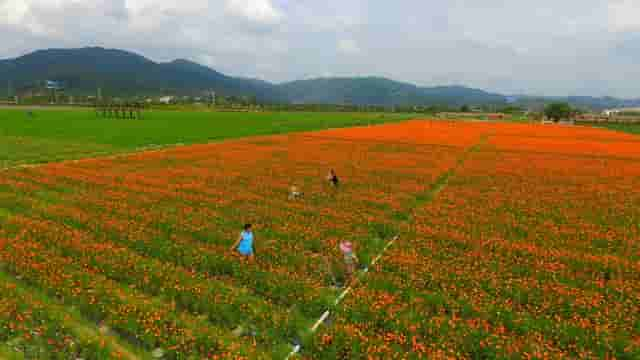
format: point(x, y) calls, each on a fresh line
point(296, 348)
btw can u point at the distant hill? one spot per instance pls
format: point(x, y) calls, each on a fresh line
point(583, 102)
point(123, 73)
point(602, 103)
point(381, 91)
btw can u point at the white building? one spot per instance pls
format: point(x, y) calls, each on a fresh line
point(611, 112)
point(166, 99)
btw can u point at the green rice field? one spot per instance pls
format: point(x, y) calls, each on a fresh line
point(53, 135)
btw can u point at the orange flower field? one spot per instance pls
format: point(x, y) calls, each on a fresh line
point(517, 241)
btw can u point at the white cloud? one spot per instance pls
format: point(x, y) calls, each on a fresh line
point(624, 15)
point(348, 46)
point(260, 11)
point(548, 46)
point(13, 11)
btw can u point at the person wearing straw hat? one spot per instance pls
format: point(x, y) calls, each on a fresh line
point(294, 193)
point(350, 258)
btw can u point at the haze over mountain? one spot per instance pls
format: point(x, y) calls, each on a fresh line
point(123, 73)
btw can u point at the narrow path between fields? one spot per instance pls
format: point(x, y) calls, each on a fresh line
point(103, 155)
point(422, 199)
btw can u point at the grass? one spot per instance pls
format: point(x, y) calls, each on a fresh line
point(68, 134)
point(627, 128)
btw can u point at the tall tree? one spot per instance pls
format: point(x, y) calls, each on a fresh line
point(558, 111)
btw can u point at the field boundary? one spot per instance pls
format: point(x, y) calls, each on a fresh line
point(98, 155)
point(380, 142)
point(117, 155)
point(588, 138)
point(156, 148)
point(562, 155)
point(438, 186)
point(362, 273)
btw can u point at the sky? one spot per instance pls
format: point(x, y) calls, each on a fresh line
point(543, 47)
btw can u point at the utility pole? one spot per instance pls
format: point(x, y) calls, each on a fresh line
point(9, 89)
point(212, 98)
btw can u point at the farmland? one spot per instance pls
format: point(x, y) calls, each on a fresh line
point(531, 251)
point(51, 135)
point(514, 241)
point(629, 128)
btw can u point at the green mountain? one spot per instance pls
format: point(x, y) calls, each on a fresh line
point(381, 91)
point(121, 73)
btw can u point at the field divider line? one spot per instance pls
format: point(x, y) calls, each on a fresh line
point(157, 148)
point(322, 318)
point(110, 155)
point(440, 184)
point(152, 148)
point(297, 347)
point(376, 142)
point(103, 155)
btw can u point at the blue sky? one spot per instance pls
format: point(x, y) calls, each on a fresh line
point(569, 47)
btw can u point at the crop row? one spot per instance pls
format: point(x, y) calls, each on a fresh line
point(140, 244)
point(33, 326)
point(522, 255)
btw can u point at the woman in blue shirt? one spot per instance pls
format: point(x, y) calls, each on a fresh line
point(244, 245)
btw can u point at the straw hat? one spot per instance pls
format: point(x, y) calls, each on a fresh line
point(346, 246)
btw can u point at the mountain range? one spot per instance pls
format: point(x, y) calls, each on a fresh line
point(121, 73)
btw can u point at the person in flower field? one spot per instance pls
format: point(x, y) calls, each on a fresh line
point(350, 258)
point(332, 178)
point(245, 243)
point(294, 193)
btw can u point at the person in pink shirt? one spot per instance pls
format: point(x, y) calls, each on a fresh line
point(350, 259)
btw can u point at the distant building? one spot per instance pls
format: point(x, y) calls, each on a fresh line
point(612, 112)
point(166, 99)
point(54, 85)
